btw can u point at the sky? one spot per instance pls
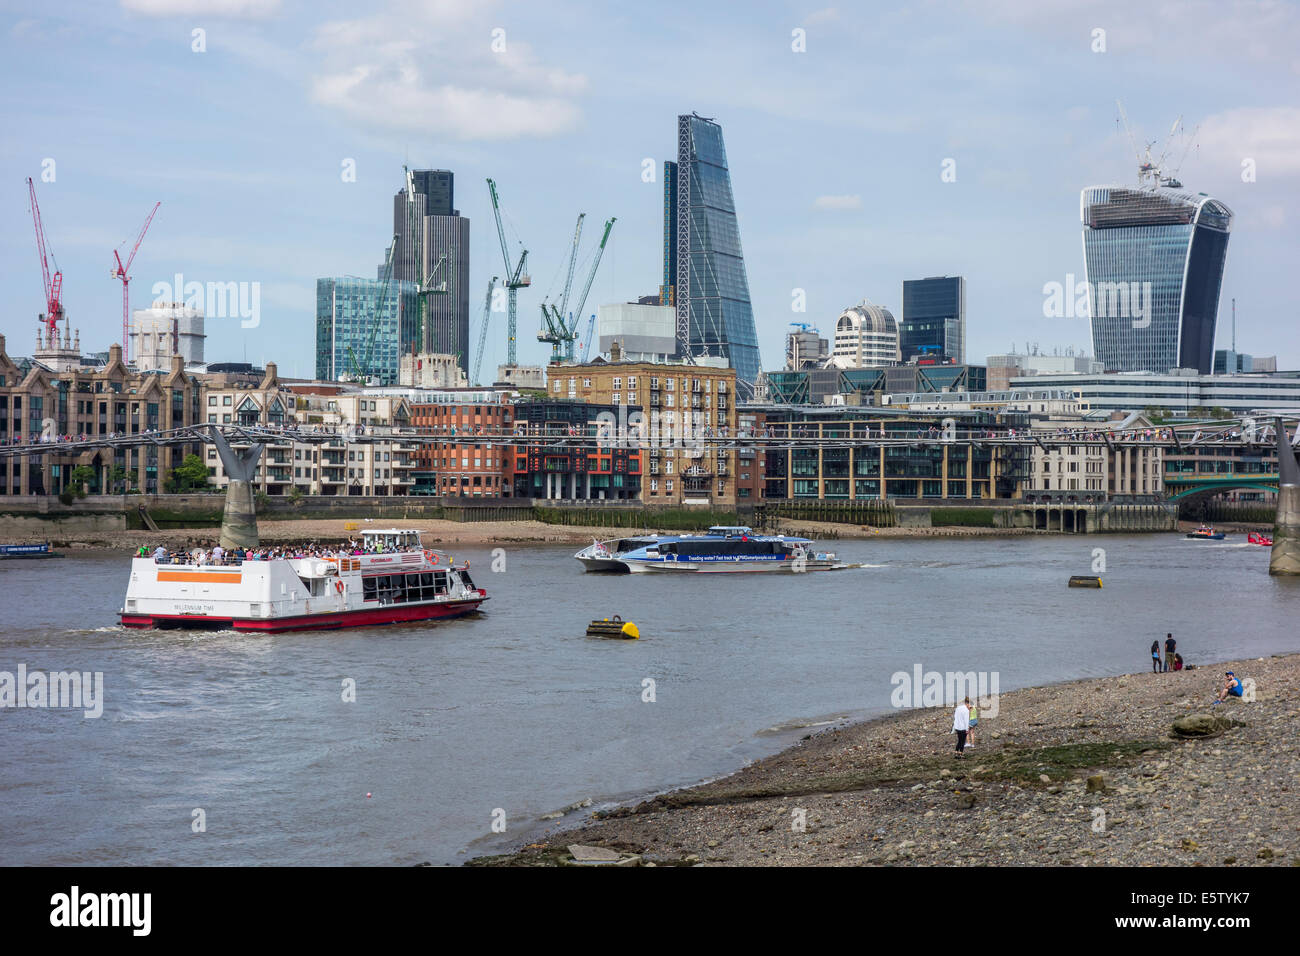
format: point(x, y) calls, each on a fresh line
point(274, 133)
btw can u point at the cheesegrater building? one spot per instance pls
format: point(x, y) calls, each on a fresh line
point(1154, 257)
point(704, 267)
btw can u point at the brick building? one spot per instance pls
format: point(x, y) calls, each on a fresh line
point(460, 465)
point(679, 404)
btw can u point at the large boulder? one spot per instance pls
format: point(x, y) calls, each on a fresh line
point(1200, 725)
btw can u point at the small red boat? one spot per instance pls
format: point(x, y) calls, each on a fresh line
point(1259, 537)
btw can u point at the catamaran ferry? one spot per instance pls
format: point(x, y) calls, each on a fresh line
point(726, 548)
point(392, 579)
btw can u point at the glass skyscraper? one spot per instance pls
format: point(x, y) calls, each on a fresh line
point(1154, 260)
point(358, 333)
point(429, 228)
point(934, 318)
point(704, 266)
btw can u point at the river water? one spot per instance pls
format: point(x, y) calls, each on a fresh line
point(515, 710)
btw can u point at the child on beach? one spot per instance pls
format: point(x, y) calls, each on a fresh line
point(1155, 656)
point(974, 721)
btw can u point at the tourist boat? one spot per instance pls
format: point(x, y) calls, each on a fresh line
point(1259, 537)
point(1206, 534)
point(392, 579)
point(724, 549)
point(28, 551)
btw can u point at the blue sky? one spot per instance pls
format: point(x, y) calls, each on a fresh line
point(836, 153)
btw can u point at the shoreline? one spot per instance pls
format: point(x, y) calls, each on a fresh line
point(489, 533)
point(1082, 772)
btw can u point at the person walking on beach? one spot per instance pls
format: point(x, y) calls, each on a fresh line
point(1155, 657)
point(961, 725)
point(1170, 645)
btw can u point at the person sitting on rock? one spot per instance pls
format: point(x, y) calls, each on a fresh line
point(1232, 687)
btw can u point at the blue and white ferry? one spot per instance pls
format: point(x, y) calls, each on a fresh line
point(724, 549)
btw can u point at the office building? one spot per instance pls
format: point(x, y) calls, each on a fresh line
point(163, 330)
point(702, 253)
point(934, 318)
point(866, 336)
point(433, 248)
point(1178, 393)
point(1154, 257)
point(644, 333)
point(361, 328)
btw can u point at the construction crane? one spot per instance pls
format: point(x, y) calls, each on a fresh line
point(1153, 170)
point(571, 329)
point(482, 330)
point(119, 272)
point(359, 368)
point(586, 344)
point(515, 280)
point(556, 332)
point(53, 286)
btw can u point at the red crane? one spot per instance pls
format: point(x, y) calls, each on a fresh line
point(53, 287)
point(119, 272)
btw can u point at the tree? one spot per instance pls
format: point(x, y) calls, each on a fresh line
point(81, 476)
point(117, 476)
point(190, 475)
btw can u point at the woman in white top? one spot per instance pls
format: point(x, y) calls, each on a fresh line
point(961, 724)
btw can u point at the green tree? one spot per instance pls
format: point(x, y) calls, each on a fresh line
point(190, 475)
point(117, 477)
point(80, 477)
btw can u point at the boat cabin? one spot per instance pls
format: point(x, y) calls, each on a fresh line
point(730, 531)
point(391, 539)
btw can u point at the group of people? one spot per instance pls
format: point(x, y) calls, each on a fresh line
point(216, 554)
point(1173, 661)
point(964, 721)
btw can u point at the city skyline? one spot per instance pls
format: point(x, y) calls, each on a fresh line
point(249, 158)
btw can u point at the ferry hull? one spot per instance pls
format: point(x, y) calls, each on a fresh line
point(364, 617)
point(732, 567)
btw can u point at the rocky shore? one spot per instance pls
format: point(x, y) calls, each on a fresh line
point(1083, 773)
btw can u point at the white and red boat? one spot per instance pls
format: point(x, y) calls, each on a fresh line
point(391, 579)
point(1260, 537)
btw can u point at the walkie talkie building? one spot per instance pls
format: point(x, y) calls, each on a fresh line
point(1154, 258)
point(702, 255)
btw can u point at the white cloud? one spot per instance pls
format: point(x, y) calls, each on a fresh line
point(838, 202)
point(434, 70)
point(1268, 135)
point(235, 9)
point(824, 15)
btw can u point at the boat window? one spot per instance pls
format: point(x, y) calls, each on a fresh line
point(464, 576)
point(440, 582)
point(368, 590)
point(426, 579)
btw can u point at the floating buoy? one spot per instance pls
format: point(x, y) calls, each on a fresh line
point(613, 628)
point(1085, 581)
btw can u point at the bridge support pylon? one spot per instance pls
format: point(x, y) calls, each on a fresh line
point(1285, 558)
point(239, 521)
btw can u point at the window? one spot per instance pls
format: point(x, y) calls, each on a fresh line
point(668, 485)
point(618, 382)
point(226, 400)
point(212, 400)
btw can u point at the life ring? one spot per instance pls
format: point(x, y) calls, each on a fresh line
point(338, 586)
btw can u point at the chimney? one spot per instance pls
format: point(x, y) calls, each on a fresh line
point(615, 351)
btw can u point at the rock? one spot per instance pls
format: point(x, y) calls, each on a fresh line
point(593, 854)
point(1200, 725)
point(1044, 778)
point(965, 801)
point(1265, 854)
point(552, 816)
point(1096, 783)
point(1191, 846)
point(633, 860)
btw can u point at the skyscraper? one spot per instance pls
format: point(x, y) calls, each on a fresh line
point(433, 245)
point(1154, 259)
point(702, 253)
point(934, 318)
point(348, 343)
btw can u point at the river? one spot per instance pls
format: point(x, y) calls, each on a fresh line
point(513, 713)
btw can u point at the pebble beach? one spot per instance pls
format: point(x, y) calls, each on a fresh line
point(1085, 773)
